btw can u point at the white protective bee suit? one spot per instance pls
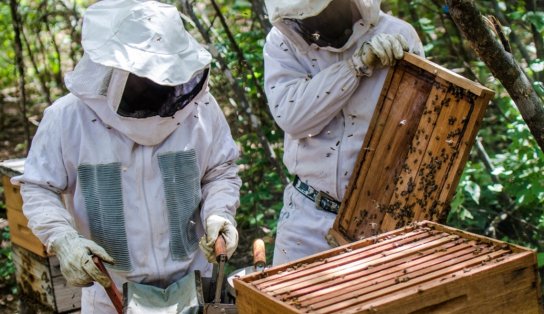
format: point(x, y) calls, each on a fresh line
point(141, 188)
point(324, 103)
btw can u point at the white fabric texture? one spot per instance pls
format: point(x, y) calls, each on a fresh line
point(146, 38)
point(278, 10)
point(76, 264)
point(294, 9)
point(325, 109)
point(215, 226)
point(91, 80)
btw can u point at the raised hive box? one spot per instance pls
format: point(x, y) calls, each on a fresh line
point(422, 268)
point(41, 284)
point(414, 152)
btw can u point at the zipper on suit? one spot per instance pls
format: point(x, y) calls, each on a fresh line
point(142, 153)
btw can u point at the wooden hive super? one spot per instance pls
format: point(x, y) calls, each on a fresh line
point(41, 284)
point(414, 152)
point(422, 268)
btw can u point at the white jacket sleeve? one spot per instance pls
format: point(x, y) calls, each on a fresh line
point(43, 181)
point(221, 183)
point(47, 217)
point(303, 105)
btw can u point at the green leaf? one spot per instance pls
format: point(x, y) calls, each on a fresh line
point(537, 66)
point(497, 171)
point(540, 258)
point(465, 214)
point(535, 18)
point(496, 188)
point(458, 199)
point(539, 88)
point(474, 191)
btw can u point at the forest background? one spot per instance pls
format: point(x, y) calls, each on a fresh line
point(501, 191)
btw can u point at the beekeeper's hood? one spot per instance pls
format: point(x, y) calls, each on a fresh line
point(142, 42)
point(286, 15)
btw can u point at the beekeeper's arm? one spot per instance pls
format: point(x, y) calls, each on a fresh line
point(303, 105)
point(42, 183)
point(220, 189)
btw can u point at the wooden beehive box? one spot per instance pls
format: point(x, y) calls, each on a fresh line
point(414, 152)
point(424, 267)
point(40, 282)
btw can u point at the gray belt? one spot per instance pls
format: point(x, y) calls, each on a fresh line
point(321, 199)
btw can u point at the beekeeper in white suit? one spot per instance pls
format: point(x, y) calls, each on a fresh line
point(325, 65)
point(137, 163)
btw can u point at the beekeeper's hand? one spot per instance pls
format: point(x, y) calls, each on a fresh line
point(75, 255)
point(216, 225)
point(381, 50)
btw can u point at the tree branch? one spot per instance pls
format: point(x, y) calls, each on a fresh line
point(58, 74)
point(501, 63)
point(239, 54)
point(239, 92)
point(16, 21)
point(41, 77)
point(258, 8)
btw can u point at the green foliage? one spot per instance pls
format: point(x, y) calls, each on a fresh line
point(7, 267)
point(7, 55)
point(7, 270)
point(535, 18)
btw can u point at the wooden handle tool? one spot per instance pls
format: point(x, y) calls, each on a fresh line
point(259, 255)
point(113, 293)
point(221, 257)
point(220, 248)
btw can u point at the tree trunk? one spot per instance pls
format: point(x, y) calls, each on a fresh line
point(501, 63)
point(20, 67)
point(259, 10)
point(41, 77)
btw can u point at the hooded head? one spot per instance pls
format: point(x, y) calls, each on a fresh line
point(334, 25)
point(140, 67)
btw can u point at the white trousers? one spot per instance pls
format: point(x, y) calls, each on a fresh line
point(301, 228)
point(94, 300)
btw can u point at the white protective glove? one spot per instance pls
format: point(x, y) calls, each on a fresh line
point(216, 225)
point(382, 49)
point(75, 255)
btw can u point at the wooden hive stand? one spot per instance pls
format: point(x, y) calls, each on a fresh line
point(41, 284)
point(414, 152)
